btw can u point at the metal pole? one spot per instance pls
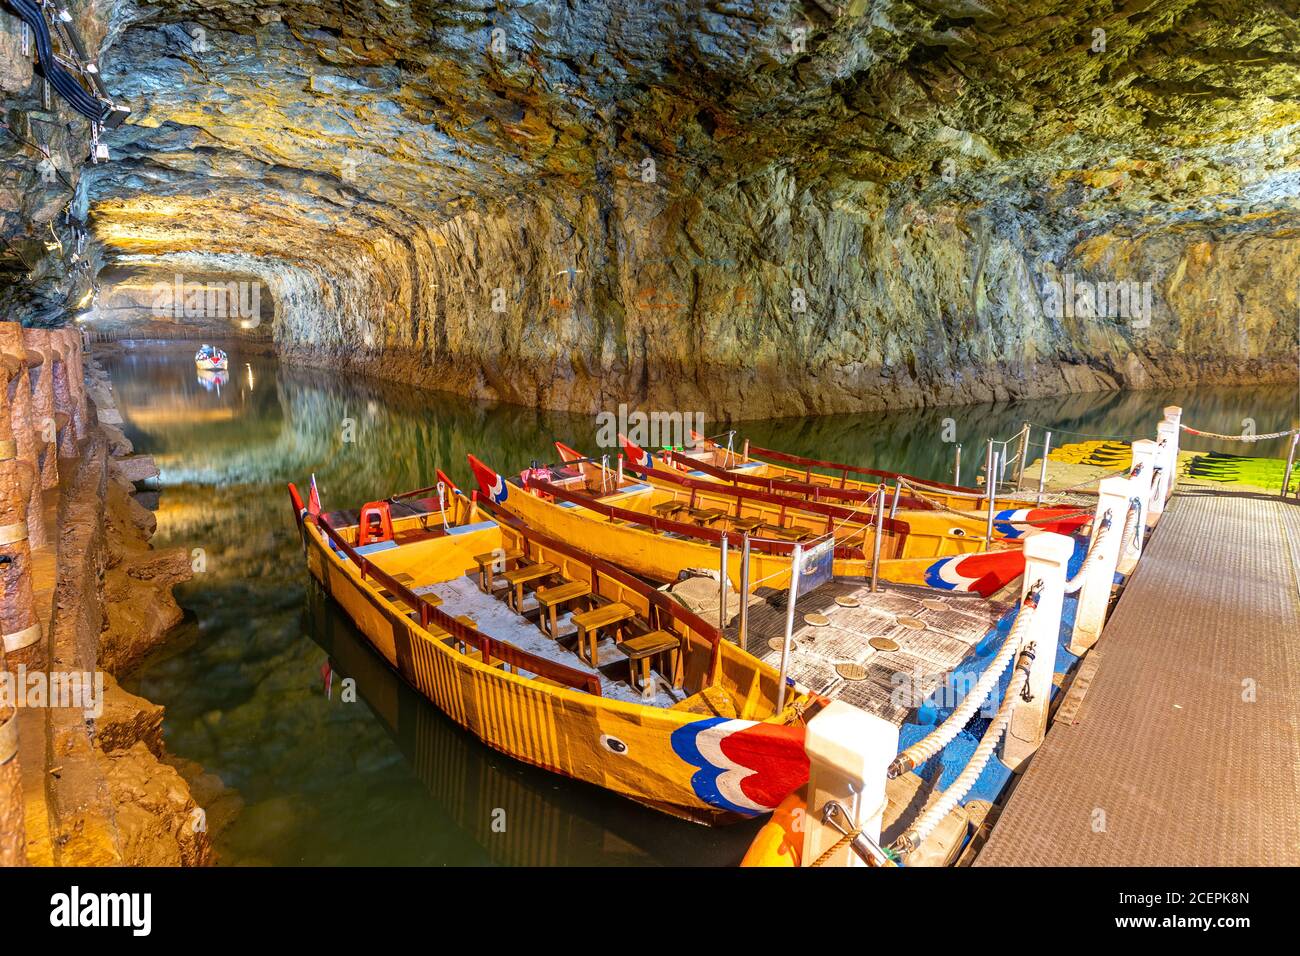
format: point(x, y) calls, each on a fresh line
point(956, 465)
point(722, 586)
point(795, 560)
point(893, 509)
point(990, 476)
point(988, 527)
point(1024, 454)
point(742, 637)
point(1290, 464)
point(1042, 472)
point(880, 531)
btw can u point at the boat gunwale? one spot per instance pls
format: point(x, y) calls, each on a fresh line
point(484, 643)
point(659, 526)
point(783, 457)
point(824, 508)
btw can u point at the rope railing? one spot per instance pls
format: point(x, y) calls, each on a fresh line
point(935, 813)
point(941, 736)
point(1246, 438)
point(1089, 559)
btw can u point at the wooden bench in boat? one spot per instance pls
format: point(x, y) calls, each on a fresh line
point(710, 701)
point(487, 563)
point(746, 525)
point(552, 598)
point(787, 534)
point(520, 576)
point(666, 509)
point(590, 622)
point(405, 580)
point(643, 649)
point(705, 516)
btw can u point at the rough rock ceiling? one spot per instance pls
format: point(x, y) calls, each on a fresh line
point(341, 117)
point(315, 142)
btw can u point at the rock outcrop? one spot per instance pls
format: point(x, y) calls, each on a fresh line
point(742, 209)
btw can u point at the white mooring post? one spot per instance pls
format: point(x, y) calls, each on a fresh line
point(1047, 558)
point(1167, 459)
point(1174, 416)
point(1146, 455)
point(849, 752)
point(1113, 496)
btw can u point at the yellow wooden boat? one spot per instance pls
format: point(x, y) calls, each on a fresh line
point(462, 601)
point(630, 526)
point(761, 512)
point(783, 473)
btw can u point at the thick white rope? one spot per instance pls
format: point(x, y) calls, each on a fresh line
point(1076, 582)
point(941, 807)
point(937, 739)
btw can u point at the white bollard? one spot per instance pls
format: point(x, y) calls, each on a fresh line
point(1144, 464)
point(1047, 558)
point(849, 751)
point(1174, 416)
point(1113, 496)
point(1167, 445)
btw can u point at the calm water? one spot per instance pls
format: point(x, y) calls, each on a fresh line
point(387, 779)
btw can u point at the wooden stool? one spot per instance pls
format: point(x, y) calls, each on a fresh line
point(487, 565)
point(745, 525)
point(517, 578)
point(590, 622)
point(666, 509)
point(641, 650)
point(706, 516)
point(552, 598)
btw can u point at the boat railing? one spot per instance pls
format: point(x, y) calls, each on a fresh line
point(490, 648)
point(845, 470)
point(661, 525)
point(825, 508)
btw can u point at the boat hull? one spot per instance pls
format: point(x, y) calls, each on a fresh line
point(671, 760)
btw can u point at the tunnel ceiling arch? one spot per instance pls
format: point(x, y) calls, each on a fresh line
point(639, 179)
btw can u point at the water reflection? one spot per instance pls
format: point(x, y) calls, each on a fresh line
point(387, 779)
point(212, 381)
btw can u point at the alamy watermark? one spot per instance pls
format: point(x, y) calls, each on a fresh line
point(82, 690)
point(1072, 298)
point(179, 299)
point(655, 429)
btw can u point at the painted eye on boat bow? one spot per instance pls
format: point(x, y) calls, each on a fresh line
point(613, 744)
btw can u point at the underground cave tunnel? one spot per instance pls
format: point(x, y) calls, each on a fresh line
point(900, 317)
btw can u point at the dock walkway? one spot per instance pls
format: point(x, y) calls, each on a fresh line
point(1185, 749)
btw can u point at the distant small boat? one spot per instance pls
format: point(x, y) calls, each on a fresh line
point(209, 358)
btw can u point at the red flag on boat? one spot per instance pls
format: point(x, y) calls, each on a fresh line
point(492, 484)
point(327, 678)
point(313, 499)
point(637, 459)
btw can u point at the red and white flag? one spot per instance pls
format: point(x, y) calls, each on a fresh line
point(313, 499)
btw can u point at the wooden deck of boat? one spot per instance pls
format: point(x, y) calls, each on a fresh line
point(1185, 748)
point(934, 632)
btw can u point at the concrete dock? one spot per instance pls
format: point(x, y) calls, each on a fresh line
point(1184, 749)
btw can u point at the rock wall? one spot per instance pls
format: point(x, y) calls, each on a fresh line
point(115, 800)
point(769, 299)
